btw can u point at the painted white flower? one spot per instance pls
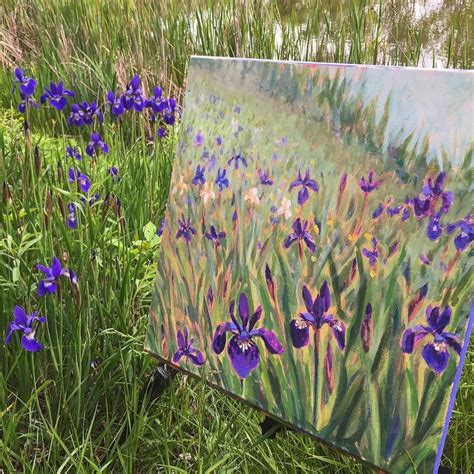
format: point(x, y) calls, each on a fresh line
point(285, 208)
point(208, 192)
point(252, 196)
point(181, 187)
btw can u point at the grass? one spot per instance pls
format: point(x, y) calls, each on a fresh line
point(63, 409)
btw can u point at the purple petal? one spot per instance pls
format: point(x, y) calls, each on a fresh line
point(325, 296)
point(244, 356)
point(56, 267)
point(303, 196)
point(177, 356)
point(180, 339)
point(255, 317)
point(411, 336)
point(219, 339)
point(453, 341)
point(197, 357)
point(436, 356)
point(307, 298)
point(443, 319)
point(20, 315)
point(30, 344)
point(339, 331)
point(299, 333)
point(12, 328)
point(270, 339)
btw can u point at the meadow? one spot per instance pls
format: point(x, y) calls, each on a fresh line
point(65, 407)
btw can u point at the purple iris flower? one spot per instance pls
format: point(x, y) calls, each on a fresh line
point(199, 177)
point(466, 232)
point(185, 229)
point(199, 138)
point(84, 114)
point(186, 349)
point(24, 322)
point(264, 177)
point(316, 316)
point(26, 101)
point(434, 191)
point(157, 101)
point(219, 140)
point(133, 96)
point(71, 218)
point(73, 152)
point(49, 284)
point(305, 182)
point(299, 234)
point(378, 211)
point(27, 84)
point(435, 353)
point(236, 159)
point(215, 236)
point(243, 352)
point(161, 228)
point(114, 172)
point(115, 102)
point(435, 227)
point(368, 184)
point(371, 254)
point(96, 144)
point(81, 178)
point(56, 95)
point(403, 208)
point(170, 111)
point(221, 179)
point(161, 132)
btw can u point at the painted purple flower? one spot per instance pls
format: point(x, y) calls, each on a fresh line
point(434, 191)
point(81, 178)
point(300, 234)
point(316, 316)
point(49, 284)
point(185, 229)
point(221, 179)
point(368, 184)
point(236, 159)
point(71, 218)
point(73, 152)
point(133, 98)
point(264, 177)
point(435, 227)
point(404, 209)
point(115, 102)
point(218, 140)
point(371, 254)
point(199, 138)
point(56, 95)
point(26, 324)
point(305, 182)
point(465, 227)
point(378, 211)
point(26, 101)
point(435, 353)
point(96, 144)
point(27, 84)
point(215, 236)
point(161, 228)
point(199, 177)
point(243, 352)
point(186, 349)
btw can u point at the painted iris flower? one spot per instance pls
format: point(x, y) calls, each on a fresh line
point(186, 230)
point(316, 316)
point(435, 353)
point(242, 349)
point(404, 209)
point(221, 179)
point(199, 177)
point(367, 185)
point(236, 159)
point(371, 254)
point(435, 227)
point(186, 349)
point(27, 85)
point(305, 182)
point(49, 284)
point(26, 324)
point(96, 144)
point(465, 227)
point(215, 236)
point(56, 95)
point(264, 177)
point(300, 234)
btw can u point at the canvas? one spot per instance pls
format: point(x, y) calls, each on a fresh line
point(317, 249)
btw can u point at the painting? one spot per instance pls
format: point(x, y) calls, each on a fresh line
point(316, 252)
